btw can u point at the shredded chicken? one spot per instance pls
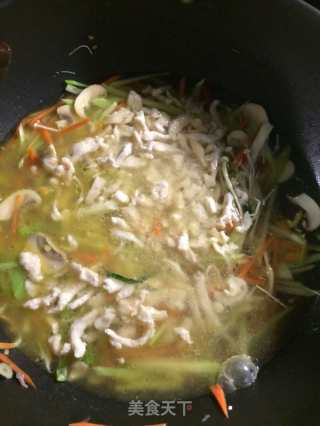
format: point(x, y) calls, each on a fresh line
point(32, 264)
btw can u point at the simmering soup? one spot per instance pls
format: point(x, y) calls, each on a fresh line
point(141, 245)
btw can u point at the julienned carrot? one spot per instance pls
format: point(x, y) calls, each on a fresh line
point(286, 251)
point(85, 257)
point(40, 115)
point(32, 154)
point(74, 125)
point(220, 396)
point(7, 345)
point(248, 265)
point(157, 230)
point(15, 214)
point(16, 369)
point(46, 135)
point(258, 280)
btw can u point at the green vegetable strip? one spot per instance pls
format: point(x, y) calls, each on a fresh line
point(68, 101)
point(6, 266)
point(89, 357)
point(26, 231)
point(17, 279)
point(101, 102)
point(62, 371)
point(75, 83)
point(295, 288)
point(125, 279)
point(73, 89)
point(180, 366)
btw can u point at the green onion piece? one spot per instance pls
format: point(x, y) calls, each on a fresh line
point(67, 101)
point(73, 89)
point(75, 83)
point(102, 102)
point(89, 357)
point(116, 372)
point(295, 288)
point(6, 266)
point(158, 334)
point(17, 279)
point(192, 367)
point(126, 279)
point(62, 373)
point(109, 110)
point(26, 231)
point(62, 370)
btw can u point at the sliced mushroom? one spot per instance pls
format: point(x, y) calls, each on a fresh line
point(85, 97)
point(254, 116)
point(238, 138)
point(311, 208)
point(53, 260)
point(65, 112)
point(28, 198)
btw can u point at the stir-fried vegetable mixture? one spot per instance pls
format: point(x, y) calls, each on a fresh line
point(142, 245)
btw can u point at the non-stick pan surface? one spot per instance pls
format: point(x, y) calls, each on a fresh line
point(265, 51)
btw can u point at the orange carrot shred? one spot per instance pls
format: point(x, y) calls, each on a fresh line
point(157, 230)
point(220, 396)
point(85, 257)
point(7, 345)
point(40, 115)
point(15, 215)
point(4, 358)
point(46, 136)
point(32, 154)
point(252, 260)
point(74, 125)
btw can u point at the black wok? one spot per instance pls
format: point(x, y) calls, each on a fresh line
point(264, 51)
